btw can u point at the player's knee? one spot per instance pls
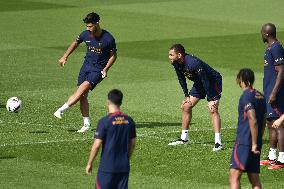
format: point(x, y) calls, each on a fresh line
point(187, 107)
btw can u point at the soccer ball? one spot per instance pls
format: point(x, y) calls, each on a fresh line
point(14, 104)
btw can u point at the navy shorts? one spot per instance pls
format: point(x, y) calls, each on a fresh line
point(106, 180)
point(274, 111)
point(198, 90)
point(93, 77)
point(243, 159)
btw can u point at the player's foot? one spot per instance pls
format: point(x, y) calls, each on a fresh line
point(267, 162)
point(58, 114)
point(178, 142)
point(217, 147)
point(84, 129)
point(277, 165)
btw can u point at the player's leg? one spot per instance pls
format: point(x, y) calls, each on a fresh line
point(186, 119)
point(74, 98)
point(254, 180)
point(272, 143)
point(280, 160)
point(84, 107)
point(216, 123)
point(234, 178)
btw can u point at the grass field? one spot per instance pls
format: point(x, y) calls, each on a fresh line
point(38, 151)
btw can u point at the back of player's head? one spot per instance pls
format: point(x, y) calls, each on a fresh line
point(115, 96)
point(245, 75)
point(178, 48)
point(92, 18)
point(270, 29)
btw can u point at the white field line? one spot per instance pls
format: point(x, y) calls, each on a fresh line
point(152, 135)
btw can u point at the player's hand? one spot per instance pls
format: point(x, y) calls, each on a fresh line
point(213, 106)
point(277, 123)
point(89, 169)
point(186, 100)
point(254, 149)
point(104, 73)
point(272, 98)
point(62, 61)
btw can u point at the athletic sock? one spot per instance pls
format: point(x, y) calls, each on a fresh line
point(87, 121)
point(272, 154)
point(281, 157)
point(184, 135)
point(63, 108)
point(218, 138)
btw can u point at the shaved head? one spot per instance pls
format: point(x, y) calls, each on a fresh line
point(268, 30)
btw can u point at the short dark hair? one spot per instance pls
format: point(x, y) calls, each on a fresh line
point(92, 18)
point(178, 48)
point(115, 96)
point(272, 29)
point(245, 75)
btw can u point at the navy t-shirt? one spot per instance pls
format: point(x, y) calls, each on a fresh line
point(274, 56)
point(250, 99)
point(197, 71)
point(98, 49)
point(116, 130)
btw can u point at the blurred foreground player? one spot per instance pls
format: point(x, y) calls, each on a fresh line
point(116, 132)
point(251, 123)
point(207, 82)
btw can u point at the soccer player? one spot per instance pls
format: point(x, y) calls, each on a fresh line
point(100, 56)
point(273, 87)
point(116, 134)
point(251, 123)
point(207, 82)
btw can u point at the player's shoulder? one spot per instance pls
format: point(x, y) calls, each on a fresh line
point(276, 46)
point(107, 35)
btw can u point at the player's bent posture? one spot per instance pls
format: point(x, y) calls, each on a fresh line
point(251, 123)
point(273, 87)
point(100, 56)
point(207, 82)
point(116, 133)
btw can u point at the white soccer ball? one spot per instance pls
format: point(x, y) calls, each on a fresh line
point(14, 104)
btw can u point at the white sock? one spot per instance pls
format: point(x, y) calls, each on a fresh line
point(86, 121)
point(272, 154)
point(281, 157)
point(218, 138)
point(63, 108)
point(184, 135)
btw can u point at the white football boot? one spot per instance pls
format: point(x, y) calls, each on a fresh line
point(84, 128)
point(217, 147)
point(178, 142)
point(58, 114)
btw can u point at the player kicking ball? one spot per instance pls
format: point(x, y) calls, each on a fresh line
point(251, 123)
point(207, 82)
point(100, 56)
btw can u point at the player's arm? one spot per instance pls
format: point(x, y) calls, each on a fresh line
point(253, 129)
point(279, 79)
point(93, 154)
point(62, 61)
point(131, 146)
point(182, 80)
point(112, 59)
point(263, 125)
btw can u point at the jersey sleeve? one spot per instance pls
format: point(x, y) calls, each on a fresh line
point(278, 55)
point(80, 38)
point(101, 130)
point(182, 80)
point(132, 133)
point(112, 45)
point(247, 103)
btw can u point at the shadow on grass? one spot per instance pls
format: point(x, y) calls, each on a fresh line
point(39, 132)
point(2, 106)
point(7, 157)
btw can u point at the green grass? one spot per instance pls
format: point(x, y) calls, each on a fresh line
point(38, 151)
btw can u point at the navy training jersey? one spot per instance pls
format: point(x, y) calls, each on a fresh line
point(250, 99)
point(199, 72)
point(98, 49)
point(274, 56)
point(116, 130)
